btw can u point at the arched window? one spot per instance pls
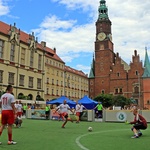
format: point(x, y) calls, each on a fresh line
point(136, 89)
point(30, 96)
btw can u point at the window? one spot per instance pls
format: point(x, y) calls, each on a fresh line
point(23, 56)
point(53, 81)
point(103, 92)
point(53, 72)
point(47, 90)
point(47, 80)
point(12, 52)
point(65, 93)
point(61, 74)
point(1, 76)
point(31, 58)
point(118, 74)
point(52, 91)
point(136, 89)
point(57, 82)
point(57, 92)
point(57, 73)
point(39, 83)
point(21, 80)
point(136, 73)
point(39, 62)
point(116, 91)
point(91, 82)
point(120, 90)
point(31, 82)
point(48, 70)
point(61, 83)
point(1, 48)
point(65, 84)
point(11, 78)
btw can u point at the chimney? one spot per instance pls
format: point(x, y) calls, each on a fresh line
point(43, 44)
point(135, 52)
point(54, 50)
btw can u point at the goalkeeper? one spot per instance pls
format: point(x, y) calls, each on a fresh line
point(139, 123)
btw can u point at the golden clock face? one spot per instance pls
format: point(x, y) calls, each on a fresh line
point(101, 36)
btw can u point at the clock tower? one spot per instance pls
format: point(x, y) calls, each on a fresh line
point(104, 55)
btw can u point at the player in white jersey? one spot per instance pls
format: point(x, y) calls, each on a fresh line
point(19, 110)
point(77, 110)
point(7, 102)
point(63, 108)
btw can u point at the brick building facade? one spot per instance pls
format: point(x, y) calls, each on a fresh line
point(109, 73)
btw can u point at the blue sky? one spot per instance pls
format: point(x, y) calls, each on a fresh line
point(69, 25)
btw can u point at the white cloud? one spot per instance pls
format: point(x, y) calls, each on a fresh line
point(77, 39)
point(130, 26)
point(130, 29)
point(4, 9)
point(53, 23)
point(85, 68)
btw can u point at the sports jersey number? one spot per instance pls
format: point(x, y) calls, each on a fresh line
point(5, 101)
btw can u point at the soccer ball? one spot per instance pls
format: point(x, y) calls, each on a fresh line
point(90, 129)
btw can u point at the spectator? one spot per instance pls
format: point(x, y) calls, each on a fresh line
point(47, 111)
point(99, 110)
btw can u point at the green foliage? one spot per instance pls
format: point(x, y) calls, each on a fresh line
point(106, 99)
point(23, 97)
point(40, 99)
point(110, 100)
point(120, 100)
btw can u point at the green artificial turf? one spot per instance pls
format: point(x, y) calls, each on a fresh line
point(48, 135)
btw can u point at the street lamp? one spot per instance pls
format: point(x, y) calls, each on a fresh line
point(139, 88)
point(64, 75)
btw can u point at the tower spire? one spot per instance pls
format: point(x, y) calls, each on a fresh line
point(103, 10)
point(146, 66)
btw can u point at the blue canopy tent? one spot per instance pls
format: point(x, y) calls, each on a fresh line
point(60, 100)
point(87, 102)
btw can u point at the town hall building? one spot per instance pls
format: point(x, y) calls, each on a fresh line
point(110, 74)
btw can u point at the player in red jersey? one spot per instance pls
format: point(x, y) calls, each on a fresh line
point(7, 102)
point(63, 108)
point(139, 123)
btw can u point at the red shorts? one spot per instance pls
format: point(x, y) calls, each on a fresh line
point(64, 114)
point(78, 114)
point(19, 114)
point(7, 117)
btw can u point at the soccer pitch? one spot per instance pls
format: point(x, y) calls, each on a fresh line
point(48, 135)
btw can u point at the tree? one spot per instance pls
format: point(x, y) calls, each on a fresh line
point(120, 100)
point(106, 99)
point(110, 100)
